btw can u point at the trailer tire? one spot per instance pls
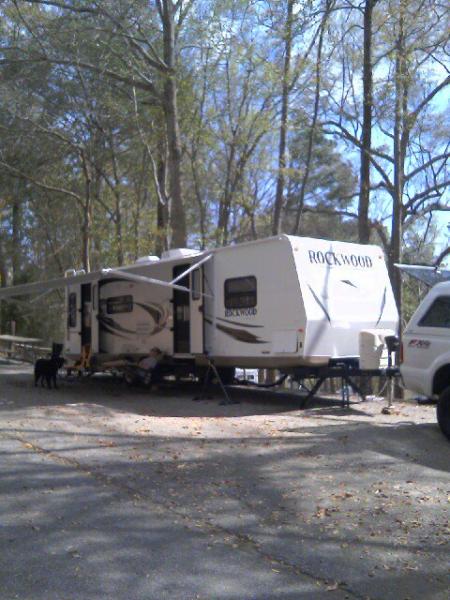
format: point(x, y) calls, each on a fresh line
point(443, 412)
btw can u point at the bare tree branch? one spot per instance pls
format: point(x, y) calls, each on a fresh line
point(131, 81)
point(412, 117)
point(51, 188)
point(422, 196)
point(441, 257)
point(63, 5)
point(427, 164)
point(351, 138)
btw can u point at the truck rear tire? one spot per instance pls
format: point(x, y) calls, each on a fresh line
point(443, 412)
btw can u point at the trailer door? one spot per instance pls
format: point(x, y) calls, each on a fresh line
point(196, 312)
point(86, 315)
point(73, 331)
point(95, 334)
point(181, 313)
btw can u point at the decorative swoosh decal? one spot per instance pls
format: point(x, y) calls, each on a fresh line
point(104, 327)
point(348, 282)
point(108, 322)
point(153, 311)
point(241, 335)
point(158, 313)
point(319, 302)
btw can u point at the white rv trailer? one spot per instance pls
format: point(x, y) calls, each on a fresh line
point(282, 302)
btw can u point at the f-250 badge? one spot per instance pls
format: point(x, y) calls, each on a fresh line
point(419, 344)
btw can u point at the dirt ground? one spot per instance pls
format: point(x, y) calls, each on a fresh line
point(108, 492)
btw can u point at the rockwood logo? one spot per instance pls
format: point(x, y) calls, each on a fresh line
point(339, 260)
point(240, 312)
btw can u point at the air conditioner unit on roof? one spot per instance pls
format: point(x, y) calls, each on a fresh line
point(147, 259)
point(179, 253)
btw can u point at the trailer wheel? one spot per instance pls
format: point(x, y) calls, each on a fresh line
point(443, 412)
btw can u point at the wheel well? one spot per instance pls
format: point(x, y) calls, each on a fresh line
point(441, 379)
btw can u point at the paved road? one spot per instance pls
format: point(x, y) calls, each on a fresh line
point(118, 495)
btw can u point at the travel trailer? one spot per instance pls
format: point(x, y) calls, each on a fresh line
point(283, 302)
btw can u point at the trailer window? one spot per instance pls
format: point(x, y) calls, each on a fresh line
point(240, 292)
point(438, 315)
point(119, 304)
point(72, 310)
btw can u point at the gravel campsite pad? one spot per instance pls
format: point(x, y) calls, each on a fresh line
point(115, 493)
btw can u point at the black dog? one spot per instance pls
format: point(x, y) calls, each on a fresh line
point(46, 369)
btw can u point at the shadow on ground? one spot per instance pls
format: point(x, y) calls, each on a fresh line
point(227, 514)
point(284, 501)
point(110, 391)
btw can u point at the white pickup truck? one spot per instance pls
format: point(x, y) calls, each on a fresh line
point(426, 351)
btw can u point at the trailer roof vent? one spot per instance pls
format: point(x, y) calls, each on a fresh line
point(179, 253)
point(147, 259)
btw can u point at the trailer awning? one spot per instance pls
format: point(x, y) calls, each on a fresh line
point(41, 287)
point(428, 275)
point(17, 339)
point(126, 273)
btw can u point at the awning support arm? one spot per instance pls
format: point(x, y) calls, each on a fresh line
point(147, 280)
point(191, 268)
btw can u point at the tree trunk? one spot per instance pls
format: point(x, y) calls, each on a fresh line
point(198, 196)
point(170, 107)
point(395, 254)
point(312, 130)
point(225, 204)
point(16, 237)
point(141, 198)
point(87, 217)
point(195, 162)
point(163, 210)
point(366, 137)
point(119, 234)
point(136, 236)
point(279, 194)
point(87, 226)
point(3, 266)
point(3, 282)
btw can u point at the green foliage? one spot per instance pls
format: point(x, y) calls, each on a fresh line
point(85, 146)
